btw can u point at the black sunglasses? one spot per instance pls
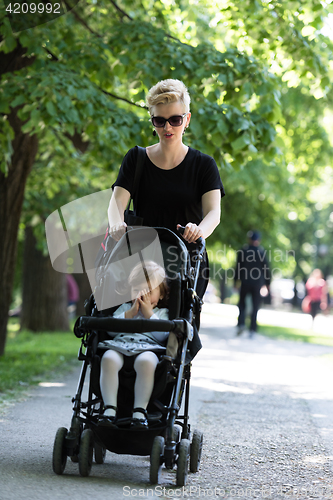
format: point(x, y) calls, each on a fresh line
point(175, 121)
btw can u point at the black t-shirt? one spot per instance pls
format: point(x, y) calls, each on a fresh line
point(166, 198)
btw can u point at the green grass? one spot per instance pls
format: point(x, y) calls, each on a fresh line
point(295, 335)
point(34, 357)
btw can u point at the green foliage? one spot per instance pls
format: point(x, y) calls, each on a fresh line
point(286, 35)
point(259, 73)
point(69, 85)
point(6, 137)
point(51, 97)
point(31, 358)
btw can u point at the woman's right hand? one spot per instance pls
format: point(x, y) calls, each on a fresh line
point(118, 230)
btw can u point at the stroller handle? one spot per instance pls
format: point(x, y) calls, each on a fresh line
point(200, 241)
point(119, 325)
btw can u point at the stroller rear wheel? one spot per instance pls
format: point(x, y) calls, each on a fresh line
point(86, 452)
point(100, 453)
point(156, 459)
point(182, 463)
point(59, 458)
point(196, 449)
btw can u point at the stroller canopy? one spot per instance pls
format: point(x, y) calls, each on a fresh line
point(140, 245)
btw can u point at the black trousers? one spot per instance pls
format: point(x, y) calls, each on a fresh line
point(253, 290)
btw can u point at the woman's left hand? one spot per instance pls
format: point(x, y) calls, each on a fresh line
point(192, 232)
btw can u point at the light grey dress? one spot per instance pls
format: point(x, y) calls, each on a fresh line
point(131, 344)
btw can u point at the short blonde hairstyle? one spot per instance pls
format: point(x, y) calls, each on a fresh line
point(168, 91)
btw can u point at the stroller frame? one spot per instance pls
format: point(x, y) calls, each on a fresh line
point(165, 444)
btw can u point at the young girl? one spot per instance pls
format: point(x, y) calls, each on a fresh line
point(149, 291)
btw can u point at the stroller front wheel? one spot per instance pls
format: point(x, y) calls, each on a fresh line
point(59, 457)
point(156, 459)
point(86, 452)
point(182, 463)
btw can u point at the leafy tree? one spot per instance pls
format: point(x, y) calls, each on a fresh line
point(264, 194)
point(78, 83)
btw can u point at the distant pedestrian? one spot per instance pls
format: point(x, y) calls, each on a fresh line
point(252, 271)
point(316, 289)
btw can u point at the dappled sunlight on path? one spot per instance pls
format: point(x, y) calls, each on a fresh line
point(261, 366)
point(226, 315)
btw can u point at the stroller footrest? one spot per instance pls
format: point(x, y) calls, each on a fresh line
point(169, 455)
point(71, 443)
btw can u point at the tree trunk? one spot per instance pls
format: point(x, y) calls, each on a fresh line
point(12, 189)
point(44, 291)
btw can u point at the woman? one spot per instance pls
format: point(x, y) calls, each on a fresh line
point(179, 186)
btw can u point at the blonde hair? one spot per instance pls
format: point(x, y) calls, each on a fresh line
point(168, 91)
point(151, 273)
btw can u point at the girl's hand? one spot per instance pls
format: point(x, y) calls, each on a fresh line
point(145, 304)
point(118, 230)
point(192, 232)
point(133, 311)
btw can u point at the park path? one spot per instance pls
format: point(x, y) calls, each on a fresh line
point(265, 407)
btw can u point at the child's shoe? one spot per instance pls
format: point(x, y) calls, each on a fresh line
point(140, 424)
point(108, 420)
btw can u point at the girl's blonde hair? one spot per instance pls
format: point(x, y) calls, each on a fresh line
point(151, 273)
point(167, 91)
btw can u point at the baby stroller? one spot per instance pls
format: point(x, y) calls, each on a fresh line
point(169, 439)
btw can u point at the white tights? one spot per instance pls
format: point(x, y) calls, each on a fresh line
point(144, 365)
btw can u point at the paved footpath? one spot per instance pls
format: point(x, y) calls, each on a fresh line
point(265, 407)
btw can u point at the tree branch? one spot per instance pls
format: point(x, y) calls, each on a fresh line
point(15, 60)
point(124, 14)
point(77, 141)
point(79, 18)
point(53, 56)
point(61, 141)
point(122, 99)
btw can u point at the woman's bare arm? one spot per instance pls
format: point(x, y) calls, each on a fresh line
point(118, 203)
point(211, 207)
